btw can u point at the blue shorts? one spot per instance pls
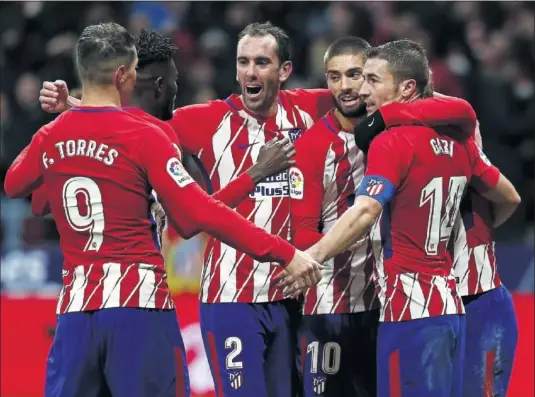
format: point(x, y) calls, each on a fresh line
point(491, 338)
point(421, 358)
point(338, 354)
point(119, 352)
point(251, 347)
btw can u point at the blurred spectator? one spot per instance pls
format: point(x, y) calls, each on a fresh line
point(482, 51)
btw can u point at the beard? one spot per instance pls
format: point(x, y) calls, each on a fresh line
point(166, 112)
point(359, 111)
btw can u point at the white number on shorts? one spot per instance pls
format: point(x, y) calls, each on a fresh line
point(330, 361)
point(92, 220)
point(236, 346)
point(441, 220)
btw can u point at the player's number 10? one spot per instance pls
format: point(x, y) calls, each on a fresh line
point(91, 221)
point(330, 359)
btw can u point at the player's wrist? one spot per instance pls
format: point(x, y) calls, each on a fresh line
point(285, 252)
point(368, 129)
point(256, 174)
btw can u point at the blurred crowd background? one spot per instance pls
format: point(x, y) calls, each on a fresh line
point(480, 51)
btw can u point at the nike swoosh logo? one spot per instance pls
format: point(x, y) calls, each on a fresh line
point(245, 147)
point(373, 121)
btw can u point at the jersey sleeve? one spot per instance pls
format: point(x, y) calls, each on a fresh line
point(485, 176)
point(186, 203)
point(434, 112)
point(231, 195)
point(26, 173)
point(40, 205)
point(236, 191)
point(387, 165)
point(306, 197)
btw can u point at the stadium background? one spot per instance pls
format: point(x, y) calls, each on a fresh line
point(480, 51)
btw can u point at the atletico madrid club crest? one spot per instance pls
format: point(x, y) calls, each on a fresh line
point(374, 187)
point(235, 380)
point(319, 385)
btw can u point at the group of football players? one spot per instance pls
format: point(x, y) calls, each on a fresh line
point(381, 181)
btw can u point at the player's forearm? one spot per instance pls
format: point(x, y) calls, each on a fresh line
point(504, 198)
point(236, 191)
point(216, 219)
point(349, 229)
point(231, 195)
point(435, 112)
point(22, 178)
point(502, 212)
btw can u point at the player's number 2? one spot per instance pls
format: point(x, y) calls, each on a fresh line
point(330, 359)
point(441, 220)
point(235, 344)
point(92, 219)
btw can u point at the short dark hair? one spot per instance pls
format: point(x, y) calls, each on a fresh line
point(407, 60)
point(101, 49)
point(152, 47)
point(349, 45)
point(267, 28)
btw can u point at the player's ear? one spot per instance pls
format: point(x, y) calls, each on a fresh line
point(407, 89)
point(158, 86)
point(120, 76)
point(285, 71)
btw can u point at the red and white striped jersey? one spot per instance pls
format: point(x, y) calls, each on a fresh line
point(474, 260)
point(329, 167)
point(419, 177)
point(227, 138)
point(101, 286)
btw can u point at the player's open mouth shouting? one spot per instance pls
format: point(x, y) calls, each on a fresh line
point(253, 90)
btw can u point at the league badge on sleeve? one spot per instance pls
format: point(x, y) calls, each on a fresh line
point(374, 187)
point(297, 183)
point(176, 170)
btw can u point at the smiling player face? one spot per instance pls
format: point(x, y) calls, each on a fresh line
point(378, 87)
point(260, 73)
point(344, 78)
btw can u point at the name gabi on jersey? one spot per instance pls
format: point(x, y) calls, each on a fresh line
point(273, 186)
point(442, 146)
point(81, 147)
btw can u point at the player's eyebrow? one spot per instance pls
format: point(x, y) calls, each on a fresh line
point(354, 70)
point(256, 59)
point(371, 76)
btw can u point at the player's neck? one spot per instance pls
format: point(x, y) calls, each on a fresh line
point(347, 124)
point(100, 96)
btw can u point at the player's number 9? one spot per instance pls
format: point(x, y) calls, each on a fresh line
point(91, 220)
point(330, 359)
point(440, 222)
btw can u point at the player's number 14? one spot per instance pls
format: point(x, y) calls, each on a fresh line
point(92, 220)
point(441, 220)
